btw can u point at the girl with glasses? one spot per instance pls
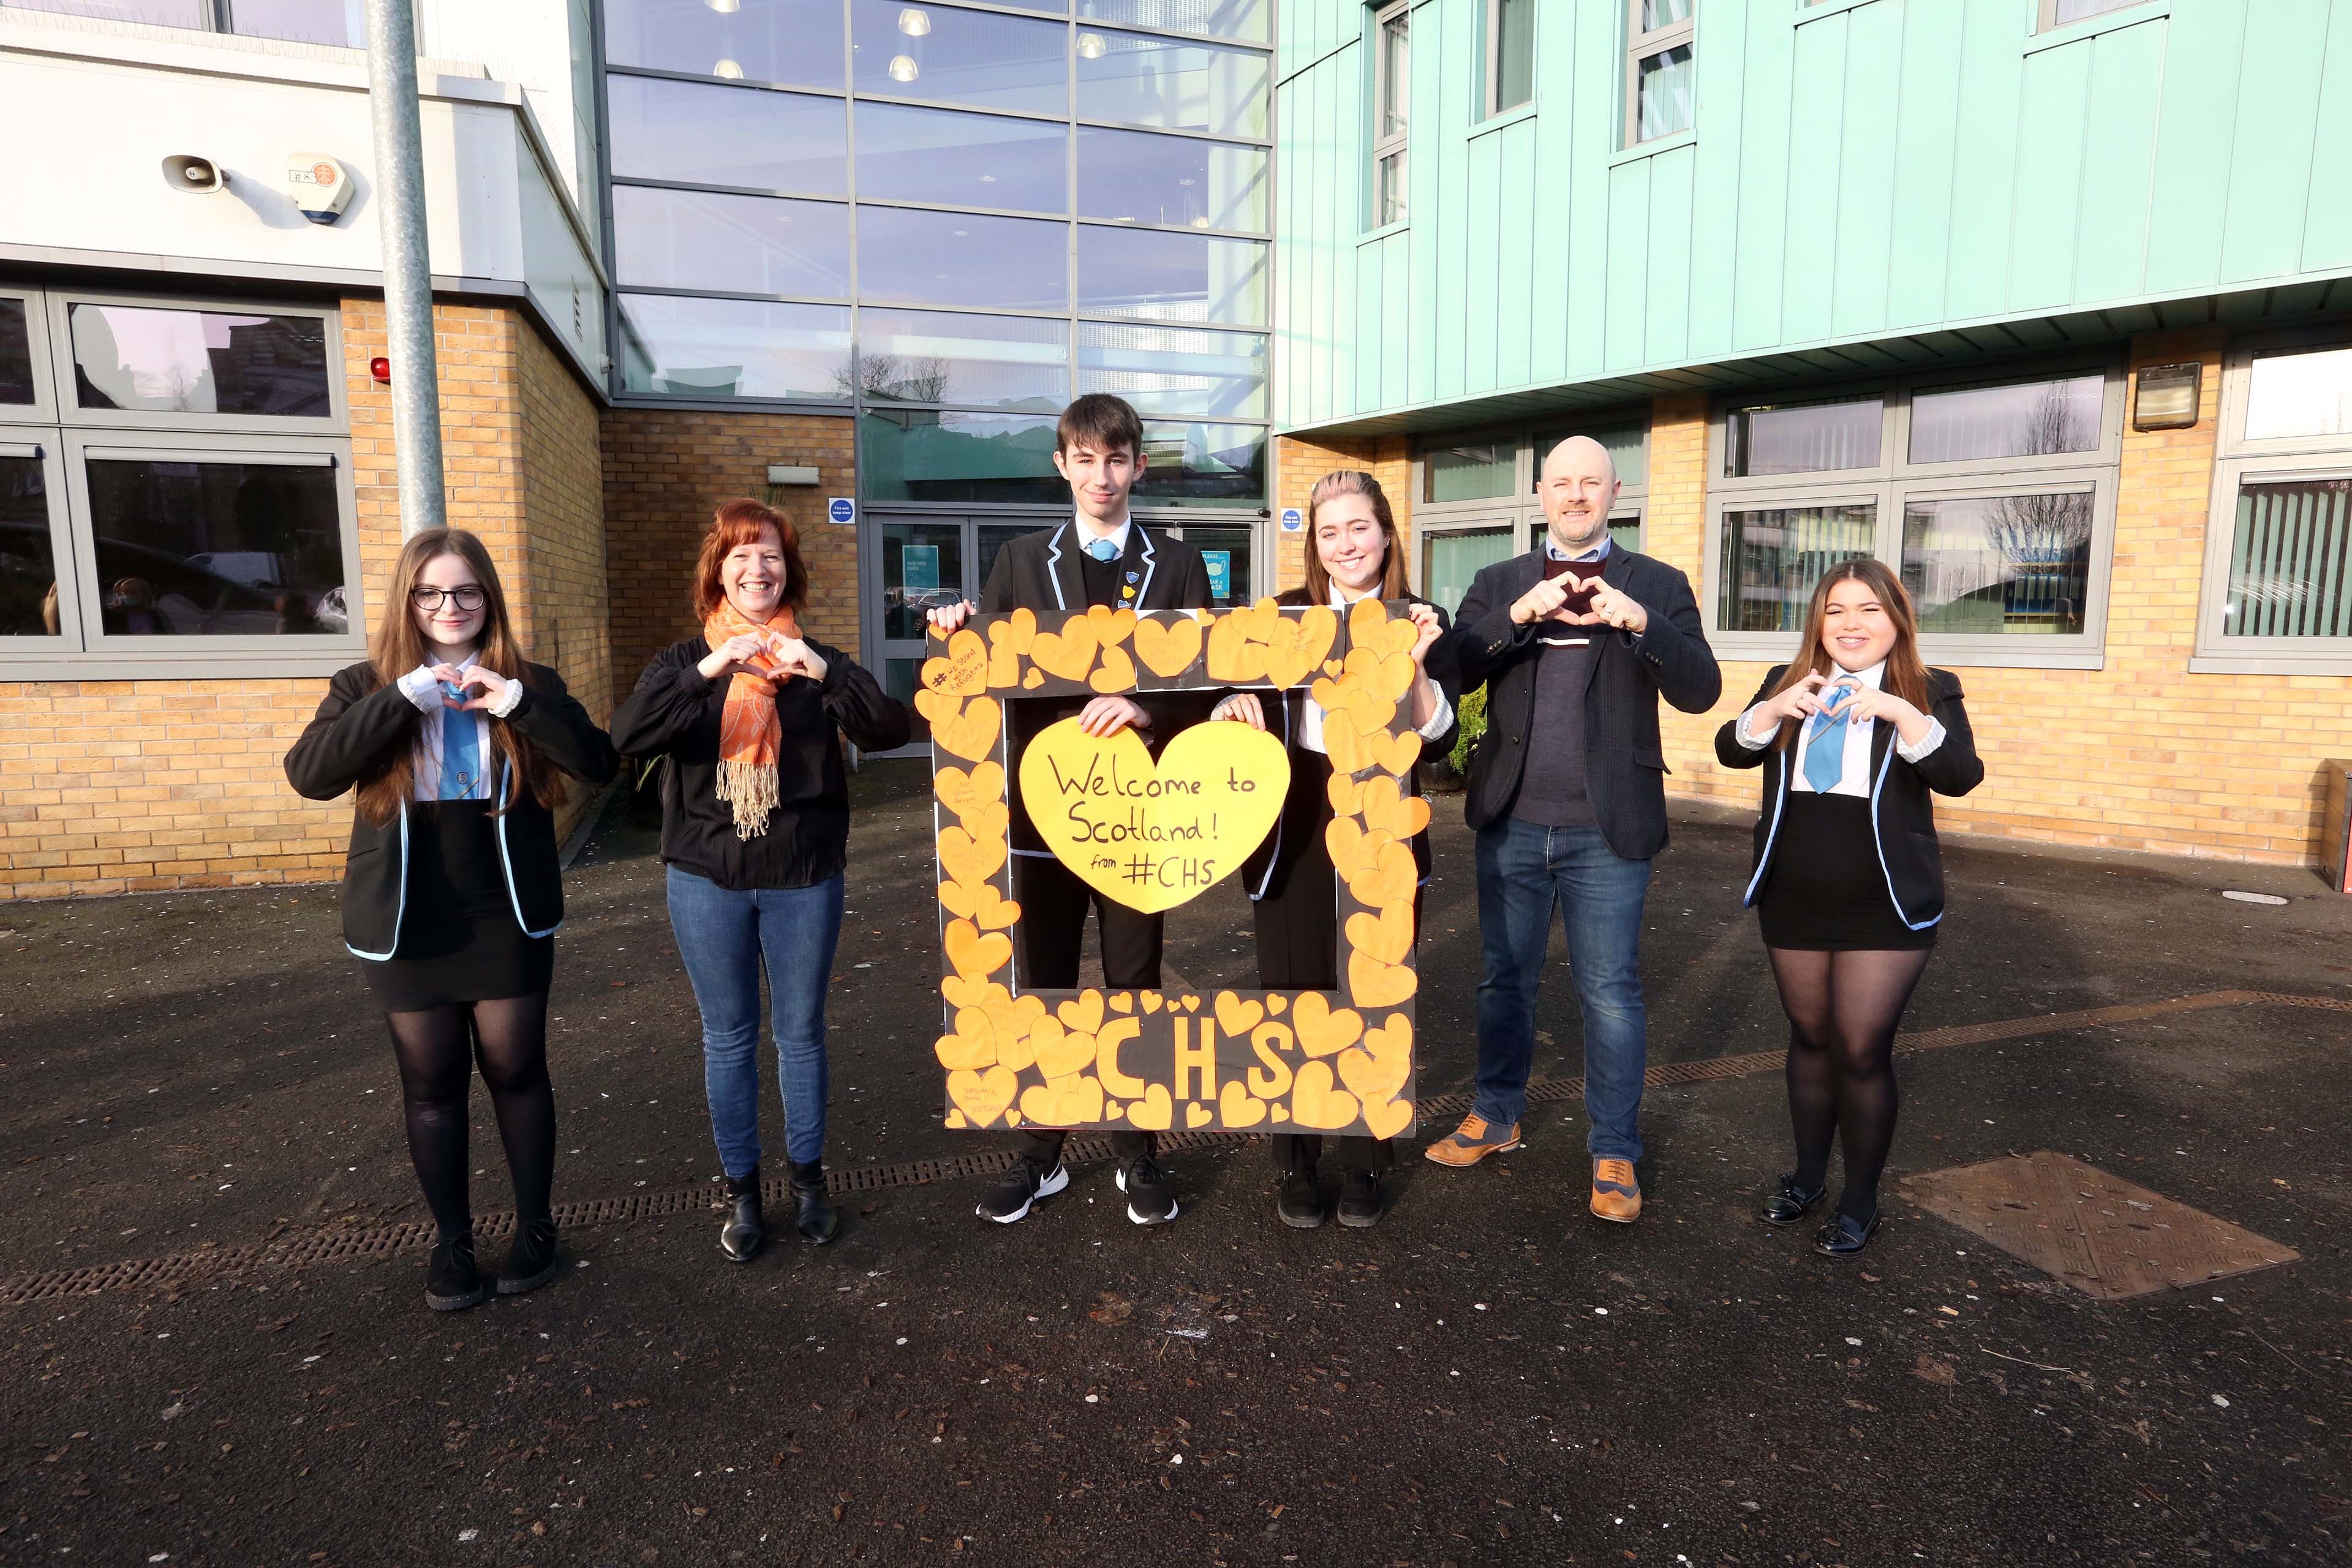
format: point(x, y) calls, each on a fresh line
point(457, 749)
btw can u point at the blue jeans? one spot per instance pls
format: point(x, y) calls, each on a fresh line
point(724, 936)
point(1524, 873)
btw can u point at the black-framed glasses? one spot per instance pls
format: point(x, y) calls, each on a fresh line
point(468, 597)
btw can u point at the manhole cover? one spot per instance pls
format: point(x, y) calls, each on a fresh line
point(2096, 1232)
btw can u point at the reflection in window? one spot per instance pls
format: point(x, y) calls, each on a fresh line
point(1218, 464)
point(2033, 418)
point(1663, 96)
point(1628, 447)
point(1171, 277)
point(1625, 532)
point(1999, 564)
point(929, 356)
point(1469, 470)
point(341, 24)
point(1802, 438)
point(1179, 181)
point(195, 13)
point(912, 454)
point(1227, 553)
point(733, 347)
point(217, 547)
point(1175, 370)
point(2291, 561)
point(2299, 392)
point(910, 154)
point(940, 53)
point(2065, 11)
point(794, 41)
point(1242, 19)
point(1514, 22)
point(1773, 556)
point(16, 353)
point(922, 569)
point(28, 570)
point(962, 259)
point(1173, 86)
point(758, 244)
point(1450, 560)
point(200, 361)
point(713, 135)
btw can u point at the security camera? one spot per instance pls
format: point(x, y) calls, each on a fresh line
point(318, 184)
point(197, 176)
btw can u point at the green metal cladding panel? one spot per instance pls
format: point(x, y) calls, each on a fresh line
point(1859, 169)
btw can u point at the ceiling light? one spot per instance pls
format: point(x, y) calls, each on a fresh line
point(914, 21)
point(1200, 222)
point(729, 69)
point(903, 68)
point(725, 7)
point(2165, 396)
point(1091, 46)
point(1186, 181)
point(988, 179)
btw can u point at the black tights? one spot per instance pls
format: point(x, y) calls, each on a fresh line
point(1844, 1009)
point(437, 1049)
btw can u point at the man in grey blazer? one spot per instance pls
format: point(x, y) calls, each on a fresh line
point(1575, 643)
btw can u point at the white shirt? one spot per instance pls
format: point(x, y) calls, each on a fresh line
point(423, 688)
point(1118, 537)
point(1310, 721)
point(1854, 779)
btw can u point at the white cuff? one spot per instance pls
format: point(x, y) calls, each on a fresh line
point(422, 688)
point(1224, 707)
point(508, 700)
point(1439, 719)
point(1739, 733)
point(1928, 743)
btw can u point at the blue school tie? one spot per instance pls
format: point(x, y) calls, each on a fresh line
point(1825, 742)
point(1102, 548)
point(461, 754)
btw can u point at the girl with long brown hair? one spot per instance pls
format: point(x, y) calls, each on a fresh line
point(1352, 554)
point(1854, 734)
point(456, 748)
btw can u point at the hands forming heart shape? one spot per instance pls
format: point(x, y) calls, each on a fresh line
point(455, 684)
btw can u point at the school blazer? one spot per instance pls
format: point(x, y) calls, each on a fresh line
point(1624, 766)
point(1902, 810)
point(1306, 806)
point(362, 724)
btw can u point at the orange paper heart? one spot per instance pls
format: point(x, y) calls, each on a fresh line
point(1388, 809)
point(1110, 626)
point(1314, 1103)
point(1389, 880)
point(1387, 936)
point(1237, 1108)
point(1068, 653)
point(1063, 1102)
point(969, 859)
point(982, 1096)
point(1115, 674)
point(962, 670)
point(971, 954)
point(1232, 656)
point(1370, 1077)
point(1235, 1016)
point(1154, 1112)
point(1372, 983)
point(1389, 1121)
point(1320, 1030)
point(1168, 647)
point(983, 905)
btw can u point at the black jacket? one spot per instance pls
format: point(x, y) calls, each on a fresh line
point(363, 724)
point(1040, 571)
point(1626, 768)
point(1307, 804)
point(675, 712)
point(1902, 813)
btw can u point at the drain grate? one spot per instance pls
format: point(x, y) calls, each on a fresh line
point(317, 1247)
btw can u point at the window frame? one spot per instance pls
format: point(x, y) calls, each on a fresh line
point(1895, 480)
point(1397, 145)
point(1641, 45)
point(1494, 107)
point(1519, 509)
point(2045, 15)
point(66, 435)
point(2272, 459)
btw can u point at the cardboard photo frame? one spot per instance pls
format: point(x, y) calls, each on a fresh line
point(1219, 1060)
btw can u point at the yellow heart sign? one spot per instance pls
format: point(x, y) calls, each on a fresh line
point(1153, 836)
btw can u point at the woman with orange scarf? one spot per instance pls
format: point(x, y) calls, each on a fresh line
point(749, 718)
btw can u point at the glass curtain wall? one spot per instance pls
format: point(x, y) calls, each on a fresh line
point(951, 220)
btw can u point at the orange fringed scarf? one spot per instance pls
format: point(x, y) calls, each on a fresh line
point(750, 734)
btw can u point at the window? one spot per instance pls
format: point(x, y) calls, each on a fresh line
point(1391, 96)
point(340, 22)
point(175, 488)
point(2278, 592)
point(1660, 77)
point(1478, 501)
point(1511, 54)
point(2058, 13)
point(1992, 498)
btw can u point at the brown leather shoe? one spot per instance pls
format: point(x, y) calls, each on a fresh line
point(1616, 1194)
point(1473, 1141)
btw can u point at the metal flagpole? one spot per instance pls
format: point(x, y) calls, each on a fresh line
point(408, 273)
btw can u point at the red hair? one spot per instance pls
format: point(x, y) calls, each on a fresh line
point(740, 522)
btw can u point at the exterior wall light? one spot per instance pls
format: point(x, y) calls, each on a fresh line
point(915, 22)
point(729, 69)
point(2165, 397)
point(1091, 46)
point(904, 69)
point(725, 7)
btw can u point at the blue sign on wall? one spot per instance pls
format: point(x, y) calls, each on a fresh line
point(1293, 520)
point(1220, 573)
point(841, 509)
point(920, 566)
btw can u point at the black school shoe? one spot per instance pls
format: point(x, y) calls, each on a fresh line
point(1790, 1202)
point(1300, 1204)
point(1025, 1186)
point(1360, 1199)
point(452, 1282)
point(1150, 1199)
point(1844, 1236)
point(530, 1262)
point(818, 1218)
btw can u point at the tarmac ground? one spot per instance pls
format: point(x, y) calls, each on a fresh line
point(217, 1352)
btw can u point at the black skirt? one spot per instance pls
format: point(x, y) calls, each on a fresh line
point(459, 938)
point(1826, 891)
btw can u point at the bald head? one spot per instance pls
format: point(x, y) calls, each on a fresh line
point(1578, 486)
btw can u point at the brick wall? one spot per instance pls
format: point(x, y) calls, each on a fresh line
point(667, 470)
point(117, 785)
point(1297, 464)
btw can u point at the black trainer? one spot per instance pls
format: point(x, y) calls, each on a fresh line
point(452, 1282)
point(1360, 1199)
point(530, 1262)
point(1026, 1183)
point(1301, 1203)
point(1150, 1199)
point(745, 1230)
point(817, 1217)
